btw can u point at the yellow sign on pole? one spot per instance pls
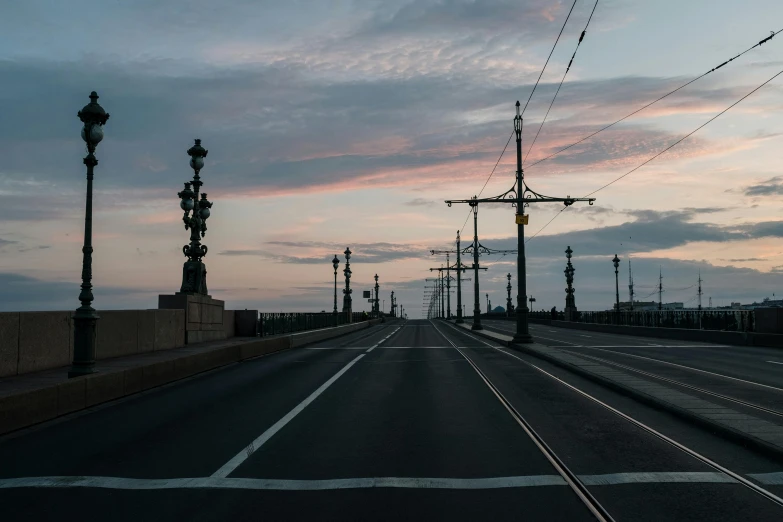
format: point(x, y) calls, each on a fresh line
point(522, 219)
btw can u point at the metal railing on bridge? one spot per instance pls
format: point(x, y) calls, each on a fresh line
point(280, 323)
point(725, 320)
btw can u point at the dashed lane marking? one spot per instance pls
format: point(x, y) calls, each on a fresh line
point(524, 481)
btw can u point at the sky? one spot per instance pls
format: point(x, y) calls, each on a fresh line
point(348, 123)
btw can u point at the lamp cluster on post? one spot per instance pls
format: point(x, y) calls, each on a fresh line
point(616, 262)
point(570, 307)
point(336, 265)
point(197, 211)
point(393, 304)
point(347, 290)
point(85, 320)
point(532, 300)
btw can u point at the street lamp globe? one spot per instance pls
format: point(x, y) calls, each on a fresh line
point(335, 263)
point(204, 206)
point(616, 261)
point(197, 154)
point(93, 117)
point(186, 197)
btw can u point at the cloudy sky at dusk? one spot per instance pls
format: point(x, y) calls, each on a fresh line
point(347, 123)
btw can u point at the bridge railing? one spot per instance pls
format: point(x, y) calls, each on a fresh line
point(726, 320)
point(279, 323)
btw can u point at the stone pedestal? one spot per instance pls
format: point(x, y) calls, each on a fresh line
point(571, 313)
point(203, 315)
point(246, 323)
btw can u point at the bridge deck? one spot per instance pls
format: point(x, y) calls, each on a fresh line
point(415, 420)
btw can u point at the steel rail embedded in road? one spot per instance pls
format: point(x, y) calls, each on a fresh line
point(693, 453)
point(678, 383)
point(569, 476)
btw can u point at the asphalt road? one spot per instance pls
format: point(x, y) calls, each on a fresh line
point(390, 423)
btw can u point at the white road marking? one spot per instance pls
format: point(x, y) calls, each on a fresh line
point(771, 479)
point(582, 335)
point(775, 362)
point(337, 348)
point(524, 481)
point(381, 341)
point(232, 464)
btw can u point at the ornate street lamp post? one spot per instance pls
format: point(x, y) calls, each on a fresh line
point(194, 271)
point(570, 308)
point(508, 299)
point(375, 304)
point(335, 264)
point(347, 290)
point(616, 262)
point(532, 300)
point(85, 320)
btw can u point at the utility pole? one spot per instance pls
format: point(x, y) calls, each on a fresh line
point(459, 268)
point(520, 196)
point(630, 284)
point(488, 304)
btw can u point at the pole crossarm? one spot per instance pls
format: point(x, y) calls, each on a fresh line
point(529, 196)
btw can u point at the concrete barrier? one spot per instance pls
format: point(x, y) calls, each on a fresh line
point(54, 394)
point(37, 341)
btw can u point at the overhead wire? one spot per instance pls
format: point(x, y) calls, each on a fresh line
point(568, 68)
point(664, 150)
point(768, 38)
point(523, 110)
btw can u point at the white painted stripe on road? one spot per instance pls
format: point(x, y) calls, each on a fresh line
point(582, 335)
point(374, 482)
point(232, 464)
point(382, 340)
point(681, 477)
point(771, 479)
point(337, 348)
point(775, 362)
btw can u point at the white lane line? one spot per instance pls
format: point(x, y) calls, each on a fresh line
point(524, 481)
point(770, 479)
point(232, 464)
point(712, 477)
point(337, 348)
point(581, 335)
point(381, 341)
point(775, 362)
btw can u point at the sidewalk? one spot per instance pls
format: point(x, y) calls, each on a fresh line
point(761, 434)
point(36, 397)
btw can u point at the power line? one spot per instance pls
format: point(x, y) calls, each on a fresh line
point(687, 135)
point(667, 148)
point(654, 101)
point(550, 56)
point(581, 37)
point(528, 101)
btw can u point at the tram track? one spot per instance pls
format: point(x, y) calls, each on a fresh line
point(573, 481)
point(677, 383)
point(737, 477)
